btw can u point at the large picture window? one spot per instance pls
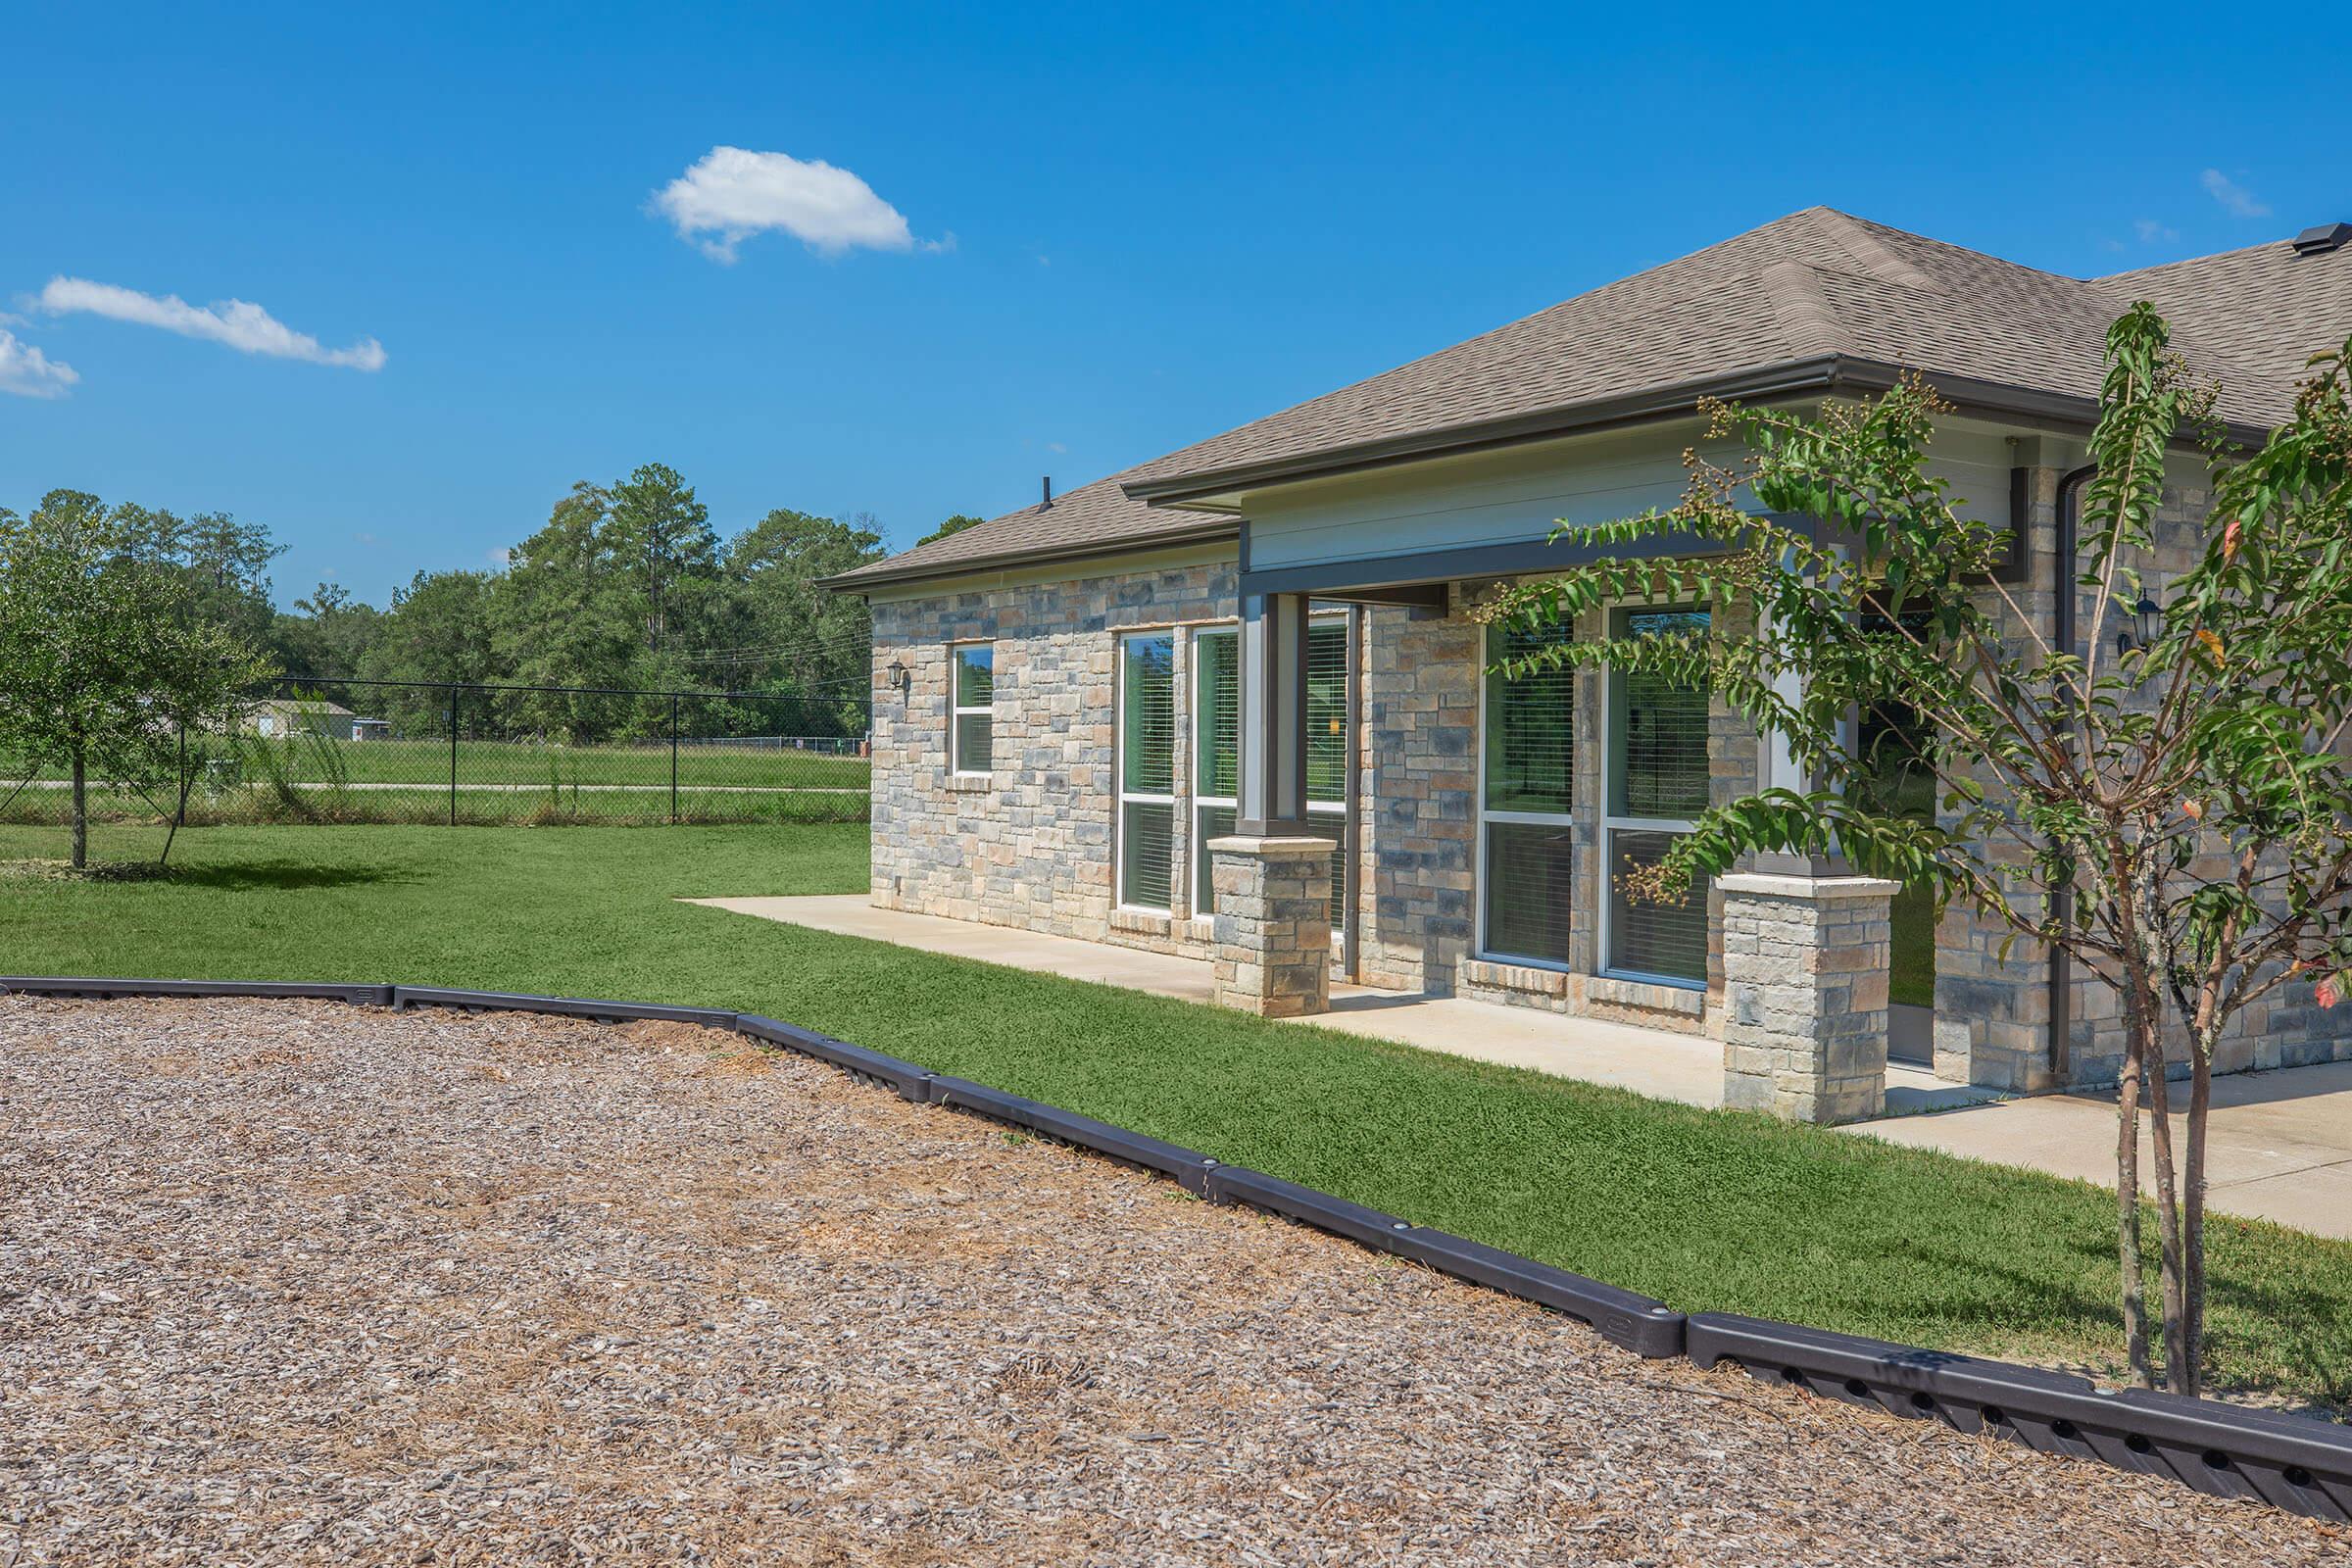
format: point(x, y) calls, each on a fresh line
point(1146, 771)
point(1216, 748)
point(1527, 790)
point(972, 740)
point(1657, 781)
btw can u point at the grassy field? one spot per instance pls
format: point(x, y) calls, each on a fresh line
point(498, 781)
point(1707, 1209)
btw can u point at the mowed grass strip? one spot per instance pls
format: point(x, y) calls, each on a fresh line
point(1706, 1210)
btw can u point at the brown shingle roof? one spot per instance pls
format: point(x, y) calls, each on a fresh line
point(1817, 286)
point(1087, 520)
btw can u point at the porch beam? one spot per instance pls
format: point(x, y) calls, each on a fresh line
point(1271, 798)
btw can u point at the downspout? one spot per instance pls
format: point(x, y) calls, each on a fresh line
point(1352, 824)
point(2062, 977)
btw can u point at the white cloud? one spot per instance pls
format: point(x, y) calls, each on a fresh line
point(239, 324)
point(734, 194)
point(2236, 199)
point(27, 372)
point(2153, 233)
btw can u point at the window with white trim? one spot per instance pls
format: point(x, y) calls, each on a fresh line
point(1145, 826)
point(1656, 765)
point(1527, 782)
point(972, 719)
point(1217, 746)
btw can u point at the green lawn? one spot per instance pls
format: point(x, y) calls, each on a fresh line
point(1704, 1209)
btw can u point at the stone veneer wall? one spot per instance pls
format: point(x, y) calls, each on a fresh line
point(1993, 1013)
point(1031, 845)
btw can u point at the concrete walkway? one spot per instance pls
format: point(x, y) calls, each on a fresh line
point(2282, 1142)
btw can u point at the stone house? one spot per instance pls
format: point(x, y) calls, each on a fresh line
point(1229, 704)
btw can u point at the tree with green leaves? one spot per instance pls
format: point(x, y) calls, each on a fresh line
point(662, 536)
point(799, 638)
point(109, 659)
point(2171, 813)
point(956, 522)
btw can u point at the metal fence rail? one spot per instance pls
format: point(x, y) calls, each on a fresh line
point(346, 750)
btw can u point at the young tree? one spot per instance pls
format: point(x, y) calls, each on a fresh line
point(2172, 813)
point(107, 658)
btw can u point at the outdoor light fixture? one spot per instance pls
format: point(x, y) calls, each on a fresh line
point(2147, 618)
point(896, 676)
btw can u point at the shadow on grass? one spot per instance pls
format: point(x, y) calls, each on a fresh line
point(282, 876)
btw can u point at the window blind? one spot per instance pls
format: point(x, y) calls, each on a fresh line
point(1146, 853)
point(1326, 711)
point(1531, 726)
point(1669, 940)
point(1657, 729)
point(1217, 715)
point(1529, 894)
point(974, 724)
point(1148, 717)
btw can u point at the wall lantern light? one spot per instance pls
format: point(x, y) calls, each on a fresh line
point(896, 676)
point(2147, 620)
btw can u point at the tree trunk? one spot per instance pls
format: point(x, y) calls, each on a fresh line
point(80, 833)
point(2168, 1208)
point(2126, 1216)
point(2200, 1104)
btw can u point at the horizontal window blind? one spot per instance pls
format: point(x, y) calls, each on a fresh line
point(975, 675)
point(1529, 893)
point(1148, 738)
point(1327, 710)
point(1217, 714)
point(976, 743)
point(1531, 726)
point(1657, 729)
point(1668, 940)
point(974, 725)
point(1146, 853)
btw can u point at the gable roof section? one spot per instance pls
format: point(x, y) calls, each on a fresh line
point(1814, 301)
point(1088, 520)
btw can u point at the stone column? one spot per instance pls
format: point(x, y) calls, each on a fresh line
point(1273, 925)
point(1805, 970)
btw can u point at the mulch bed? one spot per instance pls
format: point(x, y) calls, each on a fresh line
point(298, 1283)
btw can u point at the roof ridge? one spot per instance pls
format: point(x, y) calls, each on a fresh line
point(1878, 259)
point(1798, 302)
point(2188, 260)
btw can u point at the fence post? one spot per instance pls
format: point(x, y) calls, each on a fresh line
point(453, 754)
point(673, 759)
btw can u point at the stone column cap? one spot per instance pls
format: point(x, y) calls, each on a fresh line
point(1302, 846)
point(1774, 885)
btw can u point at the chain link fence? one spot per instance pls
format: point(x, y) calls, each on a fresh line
point(359, 750)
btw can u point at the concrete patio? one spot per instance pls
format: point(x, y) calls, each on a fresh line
point(2282, 1142)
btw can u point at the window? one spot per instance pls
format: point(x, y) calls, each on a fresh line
point(1527, 791)
point(1147, 774)
point(1217, 732)
point(972, 722)
point(1658, 782)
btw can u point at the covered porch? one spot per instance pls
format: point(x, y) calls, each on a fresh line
point(1660, 1063)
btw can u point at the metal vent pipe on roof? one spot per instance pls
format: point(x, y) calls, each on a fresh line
point(1046, 483)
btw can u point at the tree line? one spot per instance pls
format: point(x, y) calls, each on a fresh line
point(124, 629)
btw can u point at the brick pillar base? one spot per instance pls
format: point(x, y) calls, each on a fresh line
point(1804, 969)
point(1273, 925)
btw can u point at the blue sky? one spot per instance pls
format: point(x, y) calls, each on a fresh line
point(1089, 235)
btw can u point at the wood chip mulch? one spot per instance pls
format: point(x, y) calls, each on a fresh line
point(297, 1282)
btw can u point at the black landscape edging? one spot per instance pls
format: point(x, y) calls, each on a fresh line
point(360, 996)
point(1642, 1324)
point(2292, 1462)
point(407, 997)
point(2227, 1450)
point(903, 1078)
point(1189, 1169)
